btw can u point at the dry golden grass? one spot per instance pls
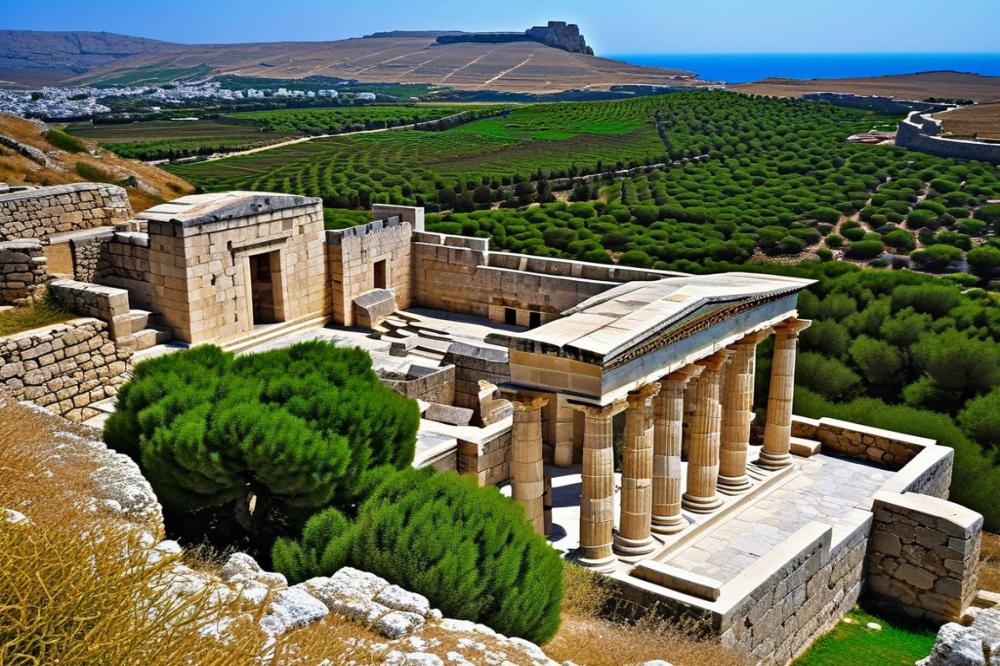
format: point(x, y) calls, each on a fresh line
point(989, 572)
point(16, 169)
point(981, 120)
point(949, 85)
point(595, 630)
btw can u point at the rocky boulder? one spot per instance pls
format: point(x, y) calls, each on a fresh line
point(977, 644)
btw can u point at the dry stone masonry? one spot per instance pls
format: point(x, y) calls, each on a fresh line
point(46, 211)
point(23, 272)
point(924, 555)
point(977, 644)
point(65, 367)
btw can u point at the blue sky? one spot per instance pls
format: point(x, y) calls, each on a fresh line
point(631, 26)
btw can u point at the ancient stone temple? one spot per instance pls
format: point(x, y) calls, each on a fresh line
point(616, 405)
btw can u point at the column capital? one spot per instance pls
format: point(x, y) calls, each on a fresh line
point(597, 411)
point(756, 337)
point(685, 374)
point(528, 403)
point(792, 326)
point(644, 393)
point(715, 362)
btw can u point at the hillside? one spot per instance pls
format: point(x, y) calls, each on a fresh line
point(37, 58)
point(146, 185)
point(947, 85)
point(395, 57)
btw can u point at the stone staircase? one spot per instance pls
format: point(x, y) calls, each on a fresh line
point(409, 335)
point(268, 332)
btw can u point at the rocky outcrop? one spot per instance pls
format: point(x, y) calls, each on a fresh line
point(977, 644)
point(557, 34)
point(32, 153)
point(560, 35)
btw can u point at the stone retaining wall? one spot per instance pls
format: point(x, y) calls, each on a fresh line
point(45, 211)
point(90, 255)
point(473, 364)
point(919, 132)
point(853, 440)
point(23, 272)
point(488, 461)
point(924, 555)
point(65, 367)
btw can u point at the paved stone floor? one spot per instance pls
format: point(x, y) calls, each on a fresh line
point(824, 488)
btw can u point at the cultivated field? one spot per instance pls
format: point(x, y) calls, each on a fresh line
point(514, 67)
point(942, 85)
point(981, 120)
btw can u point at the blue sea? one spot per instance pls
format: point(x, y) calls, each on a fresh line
point(744, 67)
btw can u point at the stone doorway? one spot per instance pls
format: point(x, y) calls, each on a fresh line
point(264, 282)
point(378, 276)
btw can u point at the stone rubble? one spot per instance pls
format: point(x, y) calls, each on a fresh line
point(975, 645)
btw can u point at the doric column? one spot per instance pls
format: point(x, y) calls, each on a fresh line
point(703, 436)
point(668, 427)
point(778, 428)
point(527, 475)
point(597, 503)
point(737, 413)
point(633, 536)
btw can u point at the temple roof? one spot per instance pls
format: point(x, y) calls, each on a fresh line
point(624, 317)
point(196, 209)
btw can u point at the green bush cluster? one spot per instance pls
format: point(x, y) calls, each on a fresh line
point(260, 440)
point(467, 548)
point(64, 141)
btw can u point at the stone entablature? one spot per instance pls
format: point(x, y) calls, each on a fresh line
point(41, 212)
point(23, 272)
point(65, 367)
point(924, 555)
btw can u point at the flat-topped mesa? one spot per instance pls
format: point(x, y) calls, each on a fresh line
point(557, 34)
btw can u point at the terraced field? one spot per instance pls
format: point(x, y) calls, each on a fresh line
point(410, 166)
point(351, 118)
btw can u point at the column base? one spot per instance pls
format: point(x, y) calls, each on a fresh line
point(774, 460)
point(600, 565)
point(733, 485)
point(701, 504)
point(633, 547)
point(669, 524)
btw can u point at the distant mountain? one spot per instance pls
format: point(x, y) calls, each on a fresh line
point(385, 57)
point(68, 51)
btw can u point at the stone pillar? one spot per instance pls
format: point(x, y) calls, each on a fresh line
point(633, 536)
point(597, 503)
point(668, 427)
point(526, 470)
point(778, 428)
point(703, 436)
point(737, 413)
point(561, 431)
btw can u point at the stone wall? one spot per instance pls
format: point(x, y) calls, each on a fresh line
point(65, 367)
point(460, 274)
point(488, 460)
point(45, 211)
point(23, 272)
point(924, 555)
point(919, 132)
point(90, 254)
point(853, 440)
point(352, 255)
point(126, 265)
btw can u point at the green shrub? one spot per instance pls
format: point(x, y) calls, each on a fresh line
point(64, 141)
point(980, 419)
point(827, 376)
point(468, 549)
point(261, 438)
point(94, 174)
point(958, 362)
point(878, 361)
point(936, 257)
point(934, 299)
point(864, 249)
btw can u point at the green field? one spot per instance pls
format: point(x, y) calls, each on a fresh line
point(350, 118)
point(896, 644)
point(423, 167)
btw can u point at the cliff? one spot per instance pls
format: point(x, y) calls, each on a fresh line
point(557, 34)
